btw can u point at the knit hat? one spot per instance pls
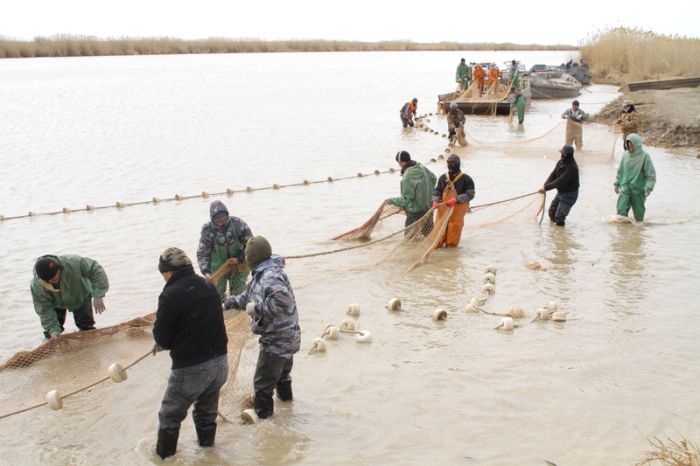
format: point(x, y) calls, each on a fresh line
point(257, 250)
point(173, 259)
point(46, 268)
point(567, 150)
point(403, 156)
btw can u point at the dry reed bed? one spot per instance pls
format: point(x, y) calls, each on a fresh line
point(77, 46)
point(626, 55)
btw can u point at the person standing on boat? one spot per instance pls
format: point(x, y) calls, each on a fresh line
point(223, 241)
point(455, 124)
point(628, 120)
point(636, 177)
point(479, 75)
point(454, 189)
point(190, 324)
point(574, 117)
point(67, 283)
point(463, 75)
point(407, 112)
point(417, 183)
point(514, 75)
point(564, 178)
point(494, 75)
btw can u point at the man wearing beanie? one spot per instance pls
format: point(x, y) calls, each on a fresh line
point(270, 302)
point(454, 189)
point(189, 323)
point(222, 242)
point(564, 178)
point(417, 183)
point(67, 283)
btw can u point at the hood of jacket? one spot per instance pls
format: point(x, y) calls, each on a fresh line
point(217, 207)
point(638, 143)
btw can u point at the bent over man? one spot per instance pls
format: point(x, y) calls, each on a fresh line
point(189, 323)
point(417, 183)
point(564, 178)
point(67, 283)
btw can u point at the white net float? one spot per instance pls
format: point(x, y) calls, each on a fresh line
point(552, 306)
point(66, 210)
point(439, 314)
point(249, 416)
point(117, 373)
point(347, 325)
point(353, 310)
point(490, 278)
point(205, 194)
point(506, 324)
point(394, 304)
point(318, 345)
point(543, 314)
point(54, 400)
point(516, 312)
point(472, 308)
point(559, 316)
point(491, 269)
point(229, 191)
point(155, 200)
point(363, 337)
point(331, 333)
point(489, 289)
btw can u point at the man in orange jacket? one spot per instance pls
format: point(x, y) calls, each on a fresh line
point(479, 78)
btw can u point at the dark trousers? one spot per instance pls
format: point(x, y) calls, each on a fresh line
point(198, 385)
point(82, 317)
point(413, 217)
point(561, 206)
point(406, 122)
point(272, 372)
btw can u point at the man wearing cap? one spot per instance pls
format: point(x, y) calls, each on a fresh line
point(407, 113)
point(574, 117)
point(222, 242)
point(454, 189)
point(628, 120)
point(269, 300)
point(455, 124)
point(417, 183)
point(189, 323)
point(564, 178)
point(463, 75)
point(67, 283)
point(636, 178)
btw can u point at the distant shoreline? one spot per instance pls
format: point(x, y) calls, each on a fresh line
point(77, 46)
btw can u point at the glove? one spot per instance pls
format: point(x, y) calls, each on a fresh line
point(207, 276)
point(617, 190)
point(250, 308)
point(54, 335)
point(156, 348)
point(451, 202)
point(98, 305)
point(436, 204)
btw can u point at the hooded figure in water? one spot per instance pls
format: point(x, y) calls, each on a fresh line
point(635, 180)
point(223, 241)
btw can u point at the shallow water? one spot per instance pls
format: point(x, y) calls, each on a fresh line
point(589, 391)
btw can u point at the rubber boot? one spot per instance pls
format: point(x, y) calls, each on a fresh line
point(206, 436)
point(264, 405)
point(167, 442)
point(284, 390)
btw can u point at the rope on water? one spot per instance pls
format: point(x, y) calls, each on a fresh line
point(75, 392)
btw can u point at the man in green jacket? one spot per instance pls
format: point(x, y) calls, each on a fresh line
point(67, 283)
point(417, 185)
point(463, 75)
point(635, 180)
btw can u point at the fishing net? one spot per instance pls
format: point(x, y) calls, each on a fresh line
point(76, 362)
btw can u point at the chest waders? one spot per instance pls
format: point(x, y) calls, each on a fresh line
point(453, 233)
point(236, 278)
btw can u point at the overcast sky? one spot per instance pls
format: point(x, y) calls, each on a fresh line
point(532, 21)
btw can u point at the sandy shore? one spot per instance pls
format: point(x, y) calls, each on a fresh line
point(669, 119)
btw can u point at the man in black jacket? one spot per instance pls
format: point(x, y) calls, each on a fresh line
point(189, 323)
point(564, 178)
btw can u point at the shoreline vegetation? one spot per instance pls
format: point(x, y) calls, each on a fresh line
point(622, 55)
point(82, 46)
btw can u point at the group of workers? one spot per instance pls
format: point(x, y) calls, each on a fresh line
point(190, 320)
point(466, 75)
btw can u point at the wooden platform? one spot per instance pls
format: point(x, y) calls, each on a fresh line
point(664, 84)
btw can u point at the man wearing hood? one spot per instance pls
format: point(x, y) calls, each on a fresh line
point(190, 324)
point(463, 74)
point(223, 241)
point(628, 120)
point(417, 184)
point(67, 283)
point(635, 180)
point(455, 125)
point(270, 301)
point(564, 178)
point(454, 189)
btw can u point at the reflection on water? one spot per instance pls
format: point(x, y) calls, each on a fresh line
point(628, 266)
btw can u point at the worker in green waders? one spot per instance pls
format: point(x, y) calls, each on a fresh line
point(519, 104)
point(223, 240)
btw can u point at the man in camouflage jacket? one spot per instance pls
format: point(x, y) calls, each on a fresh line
point(270, 302)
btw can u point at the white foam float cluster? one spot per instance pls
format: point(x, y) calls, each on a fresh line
point(550, 312)
point(489, 288)
point(347, 325)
